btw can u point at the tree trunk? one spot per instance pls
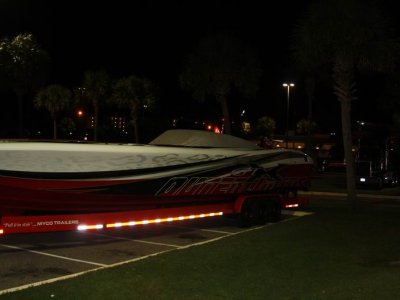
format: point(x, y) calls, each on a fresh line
point(348, 154)
point(310, 90)
point(96, 121)
point(54, 129)
point(343, 89)
point(223, 99)
point(136, 129)
point(20, 100)
point(135, 113)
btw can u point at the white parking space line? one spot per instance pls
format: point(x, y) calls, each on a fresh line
point(56, 279)
point(53, 255)
point(221, 237)
point(215, 231)
point(135, 240)
point(297, 213)
point(29, 285)
point(105, 266)
point(199, 229)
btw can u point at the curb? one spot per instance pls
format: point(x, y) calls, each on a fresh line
point(336, 194)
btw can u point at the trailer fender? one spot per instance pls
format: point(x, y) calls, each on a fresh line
point(237, 207)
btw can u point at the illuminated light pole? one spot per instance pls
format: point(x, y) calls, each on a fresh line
point(288, 86)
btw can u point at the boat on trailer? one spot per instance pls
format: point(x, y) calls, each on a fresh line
point(178, 169)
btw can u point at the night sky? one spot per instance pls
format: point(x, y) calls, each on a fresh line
point(150, 38)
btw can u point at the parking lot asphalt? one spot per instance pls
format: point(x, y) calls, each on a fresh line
point(38, 258)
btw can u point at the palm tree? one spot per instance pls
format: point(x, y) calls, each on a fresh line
point(265, 126)
point(304, 126)
point(136, 94)
point(220, 63)
point(54, 98)
point(96, 86)
point(23, 64)
point(347, 36)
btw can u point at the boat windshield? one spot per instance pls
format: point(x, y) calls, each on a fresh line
point(199, 138)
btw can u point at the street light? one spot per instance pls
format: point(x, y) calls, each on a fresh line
point(288, 86)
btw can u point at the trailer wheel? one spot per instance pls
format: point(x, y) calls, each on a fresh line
point(254, 212)
point(260, 212)
point(274, 211)
point(246, 214)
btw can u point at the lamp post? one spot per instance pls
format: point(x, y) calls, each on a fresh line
point(288, 86)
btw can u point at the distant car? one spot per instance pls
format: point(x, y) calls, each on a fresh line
point(391, 178)
point(365, 177)
point(378, 165)
point(336, 164)
point(368, 177)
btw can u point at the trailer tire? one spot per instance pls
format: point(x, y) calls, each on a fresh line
point(260, 214)
point(253, 212)
point(245, 217)
point(274, 211)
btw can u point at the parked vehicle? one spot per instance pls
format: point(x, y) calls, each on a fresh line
point(379, 165)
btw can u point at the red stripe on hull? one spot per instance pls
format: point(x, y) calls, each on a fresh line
point(22, 199)
point(18, 194)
